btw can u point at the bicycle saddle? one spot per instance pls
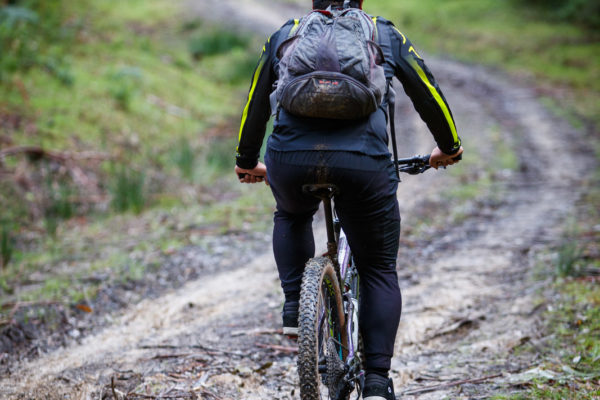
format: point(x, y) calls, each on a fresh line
point(321, 190)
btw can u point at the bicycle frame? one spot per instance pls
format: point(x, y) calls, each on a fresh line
point(338, 250)
point(349, 275)
point(340, 254)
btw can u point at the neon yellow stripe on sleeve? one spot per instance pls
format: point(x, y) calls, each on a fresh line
point(250, 94)
point(437, 98)
point(401, 34)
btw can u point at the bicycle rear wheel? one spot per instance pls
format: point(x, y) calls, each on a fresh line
point(322, 340)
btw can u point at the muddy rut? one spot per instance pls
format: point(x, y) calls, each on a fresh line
point(467, 278)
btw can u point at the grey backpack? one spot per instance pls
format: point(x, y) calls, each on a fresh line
point(331, 67)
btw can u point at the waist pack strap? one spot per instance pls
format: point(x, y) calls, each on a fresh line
point(391, 100)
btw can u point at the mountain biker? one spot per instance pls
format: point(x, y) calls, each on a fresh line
point(353, 155)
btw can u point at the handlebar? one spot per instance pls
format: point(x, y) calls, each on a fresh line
point(417, 164)
point(413, 165)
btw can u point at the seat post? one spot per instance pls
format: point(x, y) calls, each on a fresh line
point(325, 192)
point(331, 244)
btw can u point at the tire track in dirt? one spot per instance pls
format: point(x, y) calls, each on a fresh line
point(474, 302)
point(468, 292)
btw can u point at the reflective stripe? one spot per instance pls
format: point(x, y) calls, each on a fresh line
point(412, 50)
point(375, 23)
point(401, 34)
point(294, 28)
point(438, 99)
point(250, 94)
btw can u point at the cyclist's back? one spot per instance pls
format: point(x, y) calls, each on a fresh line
point(352, 154)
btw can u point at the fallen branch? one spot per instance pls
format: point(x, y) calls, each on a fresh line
point(165, 396)
point(33, 152)
point(465, 322)
point(166, 356)
point(112, 387)
point(208, 350)
point(283, 349)
point(213, 352)
point(257, 332)
point(449, 385)
point(204, 392)
point(160, 346)
point(36, 153)
point(590, 271)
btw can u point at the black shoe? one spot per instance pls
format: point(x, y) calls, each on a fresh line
point(290, 318)
point(379, 392)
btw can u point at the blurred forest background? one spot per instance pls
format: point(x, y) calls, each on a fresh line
point(119, 120)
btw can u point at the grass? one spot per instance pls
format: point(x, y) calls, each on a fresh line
point(184, 156)
point(154, 90)
point(137, 88)
point(571, 352)
point(126, 247)
point(58, 203)
point(141, 94)
point(572, 357)
point(127, 189)
point(562, 59)
point(157, 92)
point(567, 259)
point(6, 244)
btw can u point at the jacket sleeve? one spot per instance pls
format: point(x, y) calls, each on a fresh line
point(257, 110)
point(421, 87)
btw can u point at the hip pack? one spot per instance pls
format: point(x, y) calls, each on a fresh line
point(330, 67)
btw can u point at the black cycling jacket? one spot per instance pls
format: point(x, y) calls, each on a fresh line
point(365, 136)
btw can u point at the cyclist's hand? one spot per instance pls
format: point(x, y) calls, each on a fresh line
point(254, 175)
point(440, 159)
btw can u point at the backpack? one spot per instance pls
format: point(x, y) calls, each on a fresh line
point(330, 67)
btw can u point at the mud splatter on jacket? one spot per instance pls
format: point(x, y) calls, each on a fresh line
point(365, 136)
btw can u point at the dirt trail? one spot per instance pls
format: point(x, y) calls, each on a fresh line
point(468, 291)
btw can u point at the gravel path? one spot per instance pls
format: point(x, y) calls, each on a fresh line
point(467, 278)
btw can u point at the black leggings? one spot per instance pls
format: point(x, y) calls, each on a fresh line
point(368, 211)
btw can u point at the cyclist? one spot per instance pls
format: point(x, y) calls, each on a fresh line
point(353, 155)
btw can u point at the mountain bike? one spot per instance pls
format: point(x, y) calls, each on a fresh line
point(329, 344)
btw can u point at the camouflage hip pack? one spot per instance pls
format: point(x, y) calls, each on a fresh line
point(330, 67)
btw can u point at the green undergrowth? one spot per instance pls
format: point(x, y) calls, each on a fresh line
point(568, 363)
point(86, 255)
point(150, 93)
point(134, 82)
point(568, 359)
point(144, 101)
point(558, 55)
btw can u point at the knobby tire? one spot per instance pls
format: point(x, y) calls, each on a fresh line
point(319, 288)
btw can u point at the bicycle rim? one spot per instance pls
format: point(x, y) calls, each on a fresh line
point(321, 322)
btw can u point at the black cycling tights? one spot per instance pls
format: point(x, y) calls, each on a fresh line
point(368, 211)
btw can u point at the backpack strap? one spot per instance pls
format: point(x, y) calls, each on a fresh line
point(391, 100)
point(390, 95)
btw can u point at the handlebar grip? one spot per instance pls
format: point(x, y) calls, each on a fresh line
point(242, 175)
point(458, 157)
